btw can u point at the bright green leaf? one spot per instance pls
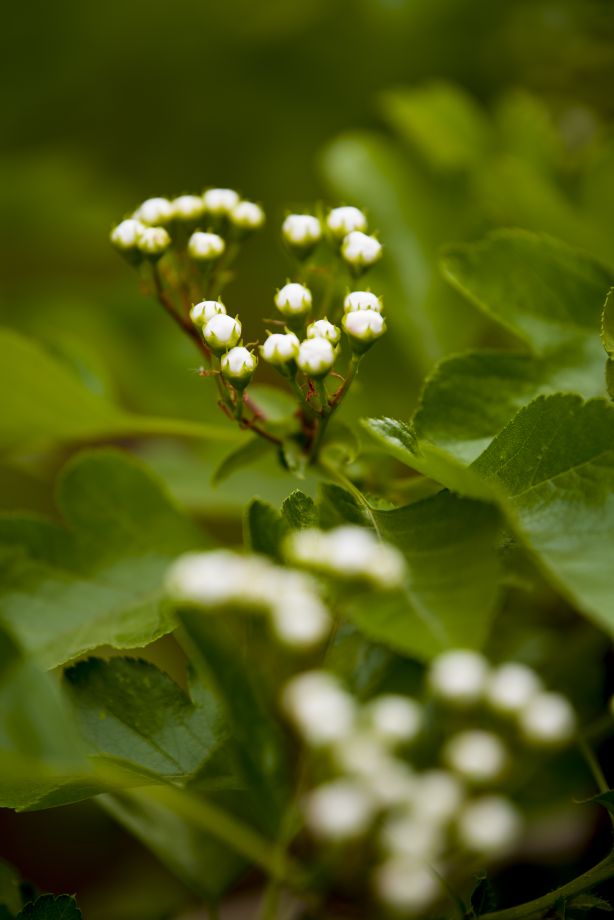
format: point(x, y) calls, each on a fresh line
point(300, 511)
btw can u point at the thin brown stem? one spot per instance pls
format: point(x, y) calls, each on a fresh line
point(184, 323)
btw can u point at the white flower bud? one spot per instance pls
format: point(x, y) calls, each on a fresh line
point(478, 756)
point(220, 201)
point(548, 719)
point(315, 357)
point(459, 676)
point(362, 300)
point(339, 810)
point(247, 215)
point(363, 327)
point(361, 251)
point(222, 332)
point(322, 329)
point(342, 221)
point(403, 885)
point(126, 235)
point(238, 366)
point(204, 247)
point(293, 300)
point(362, 755)
point(153, 242)
point(437, 797)
point(510, 688)
point(300, 620)
point(321, 710)
point(393, 785)
point(218, 577)
point(403, 835)
point(489, 825)
point(349, 552)
point(188, 207)
point(301, 231)
point(155, 211)
point(394, 718)
point(280, 348)
point(202, 312)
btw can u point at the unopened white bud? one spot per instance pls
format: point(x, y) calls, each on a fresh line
point(220, 201)
point(403, 885)
point(247, 215)
point(339, 810)
point(300, 620)
point(320, 709)
point(301, 231)
point(459, 676)
point(294, 300)
point(404, 835)
point(393, 785)
point(478, 756)
point(212, 578)
point(204, 247)
point(323, 329)
point(153, 242)
point(438, 795)
point(361, 251)
point(316, 357)
point(126, 235)
point(363, 327)
point(202, 312)
point(238, 365)
point(280, 348)
point(342, 221)
point(222, 332)
point(510, 688)
point(188, 207)
point(155, 211)
point(362, 754)
point(489, 825)
point(362, 300)
point(548, 719)
point(349, 552)
point(394, 718)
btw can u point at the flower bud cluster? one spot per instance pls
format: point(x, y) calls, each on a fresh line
point(348, 552)
point(346, 228)
point(418, 819)
point(218, 579)
point(510, 690)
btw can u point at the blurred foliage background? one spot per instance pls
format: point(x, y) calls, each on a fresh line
point(443, 118)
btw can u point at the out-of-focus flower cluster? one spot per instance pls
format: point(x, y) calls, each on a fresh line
point(421, 785)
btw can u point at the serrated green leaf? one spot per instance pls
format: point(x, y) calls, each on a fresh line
point(299, 511)
point(97, 580)
point(450, 547)
point(49, 404)
point(51, 907)
point(543, 291)
point(264, 528)
point(253, 450)
point(555, 464)
point(129, 711)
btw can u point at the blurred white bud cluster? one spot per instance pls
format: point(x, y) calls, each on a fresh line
point(513, 691)
point(155, 225)
point(221, 578)
point(348, 552)
point(418, 819)
point(346, 229)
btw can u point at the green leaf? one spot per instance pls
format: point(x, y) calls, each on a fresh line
point(555, 464)
point(543, 291)
point(253, 450)
point(442, 122)
point(49, 404)
point(198, 858)
point(97, 579)
point(588, 901)
point(50, 907)
point(128, 710)
point(300, 511)
point(607, 323)
point(450, 547)
point(264, 528)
